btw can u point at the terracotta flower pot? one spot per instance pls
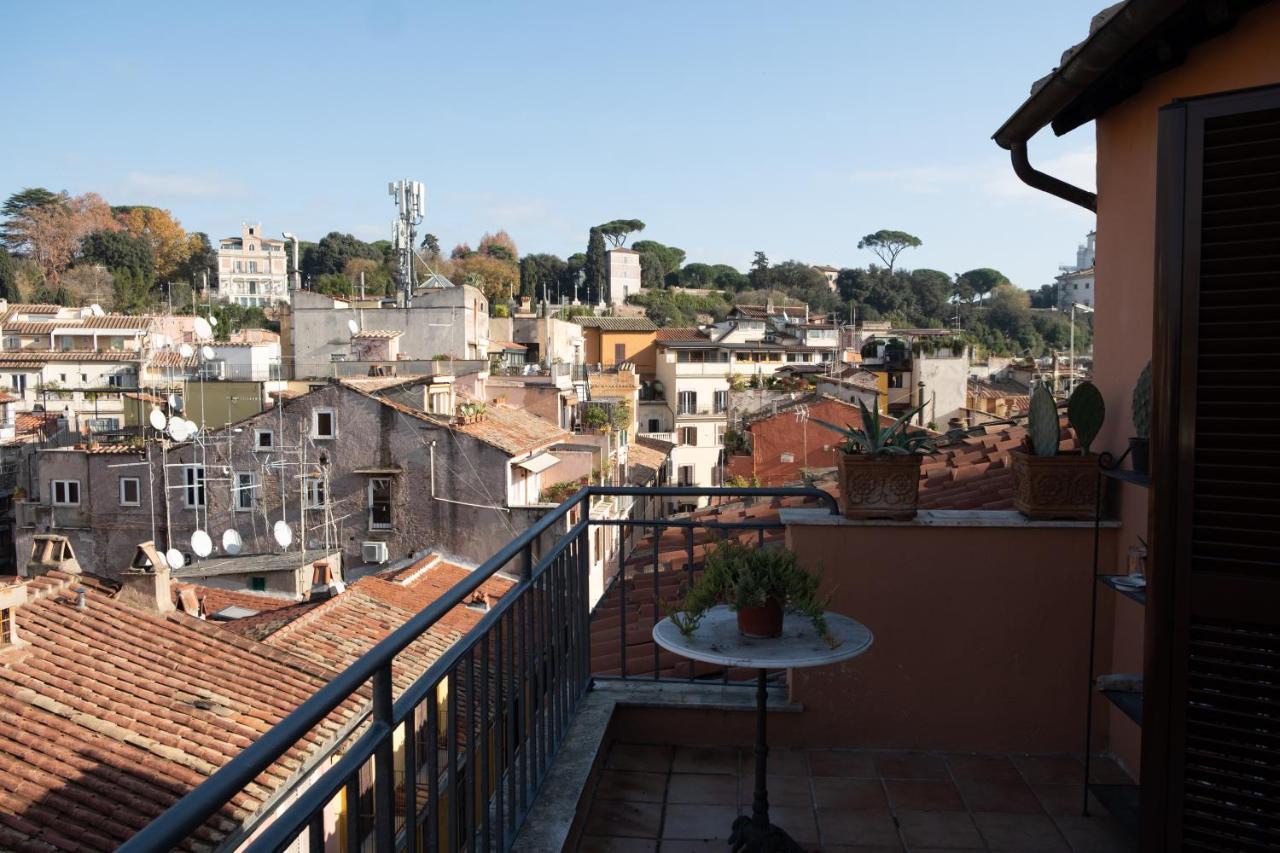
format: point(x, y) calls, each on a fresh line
point(879, 486)
point(763, 623)
point(1055, 487)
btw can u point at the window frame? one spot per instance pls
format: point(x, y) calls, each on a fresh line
point(241, 491)
point(390, 523)
point(314, 487)
point(65, 484)
point(258, 432)
point(315, 423)
point(137, 491)
point(195, 490)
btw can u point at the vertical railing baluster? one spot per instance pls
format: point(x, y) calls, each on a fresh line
point(315, 833)
point(432, 742)
point(500, 706)
point(483, 796)
point(509, 635)
point(688, 566)
point(384, 783)
point(451, 748)
point(622, 615)
point(546, 690)
point(410, 751)
point(352, 798)
point(657, 539)
point(470, 771)
point(526, 703)
point(581, 607)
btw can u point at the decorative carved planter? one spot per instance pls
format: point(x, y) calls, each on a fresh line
point(879, 486)
point(1055, 487)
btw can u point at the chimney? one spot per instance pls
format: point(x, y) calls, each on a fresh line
point(51, 553)
point(145, 584)
point(13, 594)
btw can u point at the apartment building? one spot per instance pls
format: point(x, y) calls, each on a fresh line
point(253, 269)
point(1077, 282)
point(610, 341)
point(914, 366)
point(696, 369)
point(334, 465)
point(318, 333)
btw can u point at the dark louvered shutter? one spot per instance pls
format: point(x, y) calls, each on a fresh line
point(1211, 751)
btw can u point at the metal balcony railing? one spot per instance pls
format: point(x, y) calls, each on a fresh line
point(457, 759)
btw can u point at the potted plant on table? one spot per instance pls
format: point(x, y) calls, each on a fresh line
point(1048, 482)
point(759, 584)
point(880, 465)
point(1138, 447)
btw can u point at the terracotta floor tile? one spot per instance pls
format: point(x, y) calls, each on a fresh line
point(703, 788)
point(1009, 797)
point(698, 823)
point(857, 794)
point(841, 762)
point(781, 762)
point(986, 768)
point(1094, 835)
point(925, 795)
point(841, 826)
point(634, 756)
point(783, 790)
point(617, 845)
point(911, 765)
point(705, 759)
point(862, 848)
point(633, 785)
point(1064, 800)
point(939, 829)
point(1053, 769)
point(1024, 833)
point(628, 820)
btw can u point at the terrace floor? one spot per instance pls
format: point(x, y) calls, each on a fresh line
point(678, 799)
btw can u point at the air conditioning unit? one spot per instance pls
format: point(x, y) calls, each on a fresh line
point(374, 552)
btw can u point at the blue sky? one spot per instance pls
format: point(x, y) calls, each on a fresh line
point(793, 128)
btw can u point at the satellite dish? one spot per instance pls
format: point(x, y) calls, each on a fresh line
point(282, 533)
point(97, 311)
point(231, 542)
point(202, 328)
point(353, 326)
point(179, 429)
point(174, 558)
point(157, 419)
point(201, 544)
point(207, 352)
point(213, 321)
point(186, 351)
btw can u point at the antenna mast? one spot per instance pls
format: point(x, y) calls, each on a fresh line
point(410, 204)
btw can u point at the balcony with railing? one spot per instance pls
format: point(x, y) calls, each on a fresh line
point(557, 722)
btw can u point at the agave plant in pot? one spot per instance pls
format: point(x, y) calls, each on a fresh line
point(880, 465)
point(1048, 482)
point(759, 584)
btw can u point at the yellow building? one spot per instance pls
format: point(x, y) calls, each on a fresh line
point(609, 341)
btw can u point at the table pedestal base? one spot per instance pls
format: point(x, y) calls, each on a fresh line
point(748, 837)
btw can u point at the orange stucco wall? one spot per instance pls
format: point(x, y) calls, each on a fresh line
point(600, 347)
point(982, 636)
point(1126, 144)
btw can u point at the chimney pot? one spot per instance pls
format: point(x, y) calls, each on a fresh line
point(82, 598)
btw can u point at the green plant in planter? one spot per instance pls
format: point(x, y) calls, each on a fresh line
point(744, 576)
point(1142, 403)
point(595, 417)
point(1085, 412)
point(875, 439)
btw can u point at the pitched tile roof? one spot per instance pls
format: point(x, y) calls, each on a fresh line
point(379, 334)
point(645, 458)
point(172, 358)
point(681, 334)
point(112, 714)
point(512, 430)
point(616, 324)
point(26, 423)
point(40, 357)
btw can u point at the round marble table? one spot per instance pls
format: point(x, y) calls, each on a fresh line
point(717, 640)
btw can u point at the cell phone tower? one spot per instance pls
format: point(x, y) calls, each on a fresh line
point(410, 204)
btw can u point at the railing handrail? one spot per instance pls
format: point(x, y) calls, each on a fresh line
point(168, 830)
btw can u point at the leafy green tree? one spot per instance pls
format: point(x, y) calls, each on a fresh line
point(1045, 297)
point(334, 251)
point(431, 246)
point(596, 267)
point(887, 245)
point(696, 276)
point(984, 280)
point(759, 276)
point(8, 278)
point(117, 250)
point(727, 278)
point(332, 284)
point(616, 231)
point(131, 291)
point(16, 206)
point(659, 263)
point(202, 259)
point(541, 270)
point(932, 291)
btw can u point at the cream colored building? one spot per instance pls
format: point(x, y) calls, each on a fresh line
point(253, 269)
point(624, 274)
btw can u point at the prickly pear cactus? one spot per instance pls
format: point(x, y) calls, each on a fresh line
point(1042, 422)
point(1086, 411)
point(1142, 403)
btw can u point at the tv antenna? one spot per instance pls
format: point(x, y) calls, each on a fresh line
point(410, 204)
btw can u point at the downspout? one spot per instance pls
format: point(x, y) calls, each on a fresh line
point(1047, 183)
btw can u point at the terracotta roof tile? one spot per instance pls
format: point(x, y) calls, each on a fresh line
point(680, 334)
point(616, 324)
